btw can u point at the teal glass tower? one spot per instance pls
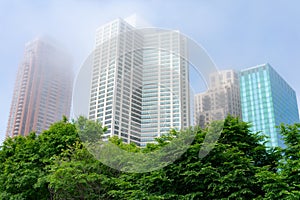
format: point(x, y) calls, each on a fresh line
point(267, 101)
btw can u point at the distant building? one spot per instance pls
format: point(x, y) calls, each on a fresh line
point(221, 99)
point(2, 138)
point(43, 89)
point(139, 91)
point(267, 100)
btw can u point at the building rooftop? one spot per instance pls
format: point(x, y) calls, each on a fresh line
point(256, 66)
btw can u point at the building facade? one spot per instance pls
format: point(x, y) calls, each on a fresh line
point(2, 138)
point(221, 99)
point(139, 89)
point(267, 101)
point(165, 91)
point(117, 81)
point(43, 89)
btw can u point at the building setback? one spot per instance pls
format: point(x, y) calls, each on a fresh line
point(267, 101)
point(221, 99)
point(139, 90)
point(43, 89)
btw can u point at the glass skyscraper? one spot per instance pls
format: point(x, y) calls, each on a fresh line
point(267, 101)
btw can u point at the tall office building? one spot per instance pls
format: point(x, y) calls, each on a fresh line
point(267, 100)
point(116, 80)
point(221, 99)
point(43, 89)
point(165, 92)
point(2, 139)
point(139, 90)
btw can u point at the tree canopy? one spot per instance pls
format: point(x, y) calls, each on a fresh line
point(57, 164)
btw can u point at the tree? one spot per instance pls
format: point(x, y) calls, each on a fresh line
point(58, 165)
point(24, 161)
point(290, 164)
point(75, 173)
point(227, 172)
point(20, 167)
point(88, 130)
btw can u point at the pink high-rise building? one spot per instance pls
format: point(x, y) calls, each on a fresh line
point(43, 89)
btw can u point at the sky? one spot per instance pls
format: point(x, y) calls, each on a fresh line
point(236, 34)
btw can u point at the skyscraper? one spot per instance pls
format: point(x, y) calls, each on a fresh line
point(115, 97)
point(43, 89)
point(1, 139)
point(139, 90)
point(221, 99)
point(267, 100)
point(165, 91)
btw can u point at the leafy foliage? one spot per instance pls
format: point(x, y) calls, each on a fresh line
point(58, 165)
point(24, 160)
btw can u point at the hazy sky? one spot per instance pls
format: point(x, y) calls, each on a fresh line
point(236, 34)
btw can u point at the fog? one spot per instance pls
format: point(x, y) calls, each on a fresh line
point(235, 34)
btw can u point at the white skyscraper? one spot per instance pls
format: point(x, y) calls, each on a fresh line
point(116, 80)
point(165, 94)
point(139, 86)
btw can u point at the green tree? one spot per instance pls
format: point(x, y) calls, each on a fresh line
point(227, 172)
point(58, 165)
point(20, 167)
point(24, 161)
point(88, 130)
point(290, 164)
point(75, 173)
point(284, 183)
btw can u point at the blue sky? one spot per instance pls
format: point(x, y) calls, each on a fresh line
point(236, 34)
